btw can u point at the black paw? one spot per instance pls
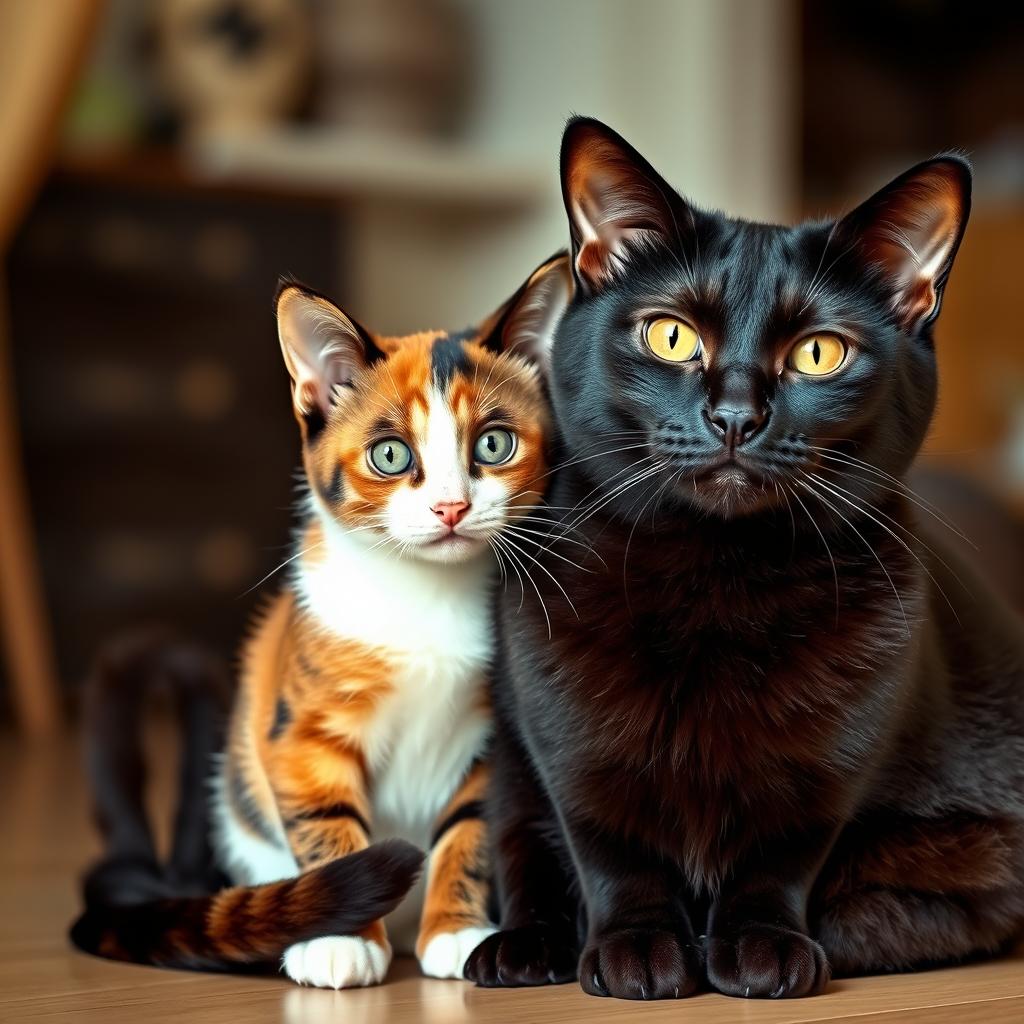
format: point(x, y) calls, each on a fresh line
point(534, 955)
point(642, 963)
point(761, 960)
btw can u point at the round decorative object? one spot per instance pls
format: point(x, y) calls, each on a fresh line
point(232, 67)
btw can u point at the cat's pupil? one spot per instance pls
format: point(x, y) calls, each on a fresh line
point(389, 453)
point(673, 337)
point(816, 352)
point(491, 443)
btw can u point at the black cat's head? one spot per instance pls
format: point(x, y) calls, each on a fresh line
point(718, 363)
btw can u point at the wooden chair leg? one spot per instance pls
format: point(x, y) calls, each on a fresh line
point(23, 618)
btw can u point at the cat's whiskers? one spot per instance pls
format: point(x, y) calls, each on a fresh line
point(540, 565)
point(903, 487)
point(278, 568)
point(806, 484)
point(502, 542)
point(636, 522)
point(585, 458)
point(542, 547)
point(866, 508)
point(634, 481)
point(828, 550)
point(503, 575)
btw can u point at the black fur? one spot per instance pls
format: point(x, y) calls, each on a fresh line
point(447, 358)
point(776, 736)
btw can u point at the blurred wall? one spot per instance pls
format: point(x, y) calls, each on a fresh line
point(706, 90)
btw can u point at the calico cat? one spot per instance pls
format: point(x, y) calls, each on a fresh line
point(362, 701)
point(780, 733)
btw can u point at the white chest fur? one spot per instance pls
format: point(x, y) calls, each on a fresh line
point(434, 623)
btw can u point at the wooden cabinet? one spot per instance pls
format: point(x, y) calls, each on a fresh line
point(158, 437)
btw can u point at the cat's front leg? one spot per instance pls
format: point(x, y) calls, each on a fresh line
point(320, 787)
point(538, 942)
point(758, 942)
point(455, 918)
point(640, 942)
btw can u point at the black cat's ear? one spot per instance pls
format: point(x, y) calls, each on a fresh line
point(912, 229)
point(322, 347)
point(613, 196)
point(526, 323)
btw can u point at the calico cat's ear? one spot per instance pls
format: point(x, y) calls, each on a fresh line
point(613, 196)
point(322, 347)
point(526, 323)
point(912, 229)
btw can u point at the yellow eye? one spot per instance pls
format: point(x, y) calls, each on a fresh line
point(817, 355)
point(672, 339)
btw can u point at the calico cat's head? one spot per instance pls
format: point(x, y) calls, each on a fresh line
point(725, 360)
point(426, 444)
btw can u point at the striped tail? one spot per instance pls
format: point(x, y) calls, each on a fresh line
point(170, 914)
point(252, 926)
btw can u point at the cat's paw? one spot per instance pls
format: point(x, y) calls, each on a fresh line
point(446, 953)
point(761, 960)
point(534, 955)
point(337, 961)
point(642, 963)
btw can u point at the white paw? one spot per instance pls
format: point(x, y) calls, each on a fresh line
point(446, 953)
point(337, 961)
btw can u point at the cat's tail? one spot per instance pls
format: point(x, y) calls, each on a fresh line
point(171, 914)
point(127, 674)
point(253, 925)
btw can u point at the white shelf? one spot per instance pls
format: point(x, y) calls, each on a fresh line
point(330, 161)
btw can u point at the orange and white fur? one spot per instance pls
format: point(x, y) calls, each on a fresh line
point(362, 711)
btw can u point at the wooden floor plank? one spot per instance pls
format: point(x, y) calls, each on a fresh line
point(47, 840)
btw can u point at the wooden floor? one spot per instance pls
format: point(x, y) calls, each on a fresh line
point(46, 840)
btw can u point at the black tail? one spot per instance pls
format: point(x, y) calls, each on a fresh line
point(171, 914)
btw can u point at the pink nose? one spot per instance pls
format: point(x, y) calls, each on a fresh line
point(451, 513)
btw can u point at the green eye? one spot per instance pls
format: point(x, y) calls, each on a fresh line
point(493, 447)
point(391, 457)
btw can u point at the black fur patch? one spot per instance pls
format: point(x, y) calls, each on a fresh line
point(282, 719)
point(448, 357)
point(245, 806)
point(338, 810)
point(470, 809)
point(334, 489)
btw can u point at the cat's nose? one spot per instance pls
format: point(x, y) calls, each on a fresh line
point(451, 513)
point(735, 426)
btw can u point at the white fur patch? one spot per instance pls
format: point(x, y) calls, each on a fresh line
point(337, 961)
point(446, 953)
point(247, 858)
point(434, 623)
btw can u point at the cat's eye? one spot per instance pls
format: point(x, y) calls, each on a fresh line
point(672, 339)
point(391, 457)
point(817, 354)
point(494, 446)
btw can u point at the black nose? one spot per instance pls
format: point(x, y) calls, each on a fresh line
point(735, 426)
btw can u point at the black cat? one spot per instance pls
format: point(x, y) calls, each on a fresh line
point(779, 734)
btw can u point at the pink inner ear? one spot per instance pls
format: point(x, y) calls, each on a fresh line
point(912, 237)
point(612, 199)
point(593, 261)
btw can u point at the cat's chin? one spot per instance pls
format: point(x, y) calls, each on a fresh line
point(451, 550)
point(731, 492)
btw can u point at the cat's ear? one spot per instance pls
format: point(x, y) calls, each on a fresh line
point(322, 347)
point(526, 323)
point(613, 196)
point(912, 229)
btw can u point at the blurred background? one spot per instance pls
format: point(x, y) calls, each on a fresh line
point(166, 160)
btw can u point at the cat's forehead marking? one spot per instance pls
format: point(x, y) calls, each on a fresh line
point(449, 356)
